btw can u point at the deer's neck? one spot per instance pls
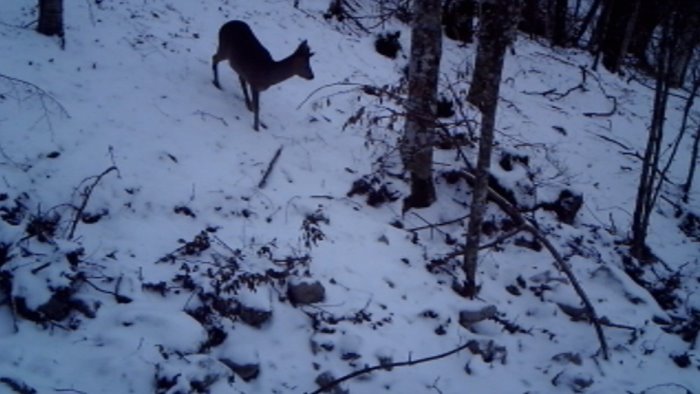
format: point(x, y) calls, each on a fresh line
point(279, 71)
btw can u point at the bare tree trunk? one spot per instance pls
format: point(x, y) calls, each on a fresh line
point(458, 18)
point(532, 19)
point(51, 19)
point(696, 139)
point(648, 18)
point(497, 26)
point(587, 21)
point(694, 157)
point(685, 40)
point(417, 145)
point(644, 203)
point(619, 24)
point(559, 25)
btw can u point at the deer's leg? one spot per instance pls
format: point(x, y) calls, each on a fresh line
point(214, 66)
point(245, 93)
point(256, 107)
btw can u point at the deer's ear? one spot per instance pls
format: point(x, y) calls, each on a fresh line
point(311, 54)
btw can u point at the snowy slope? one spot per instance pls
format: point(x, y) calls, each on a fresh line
point(133, 90)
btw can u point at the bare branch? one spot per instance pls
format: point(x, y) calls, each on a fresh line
point(86, 196)
point(389, 366)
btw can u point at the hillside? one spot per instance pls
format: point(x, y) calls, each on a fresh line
point(142, 255)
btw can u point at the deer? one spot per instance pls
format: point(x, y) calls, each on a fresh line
point(254, 65)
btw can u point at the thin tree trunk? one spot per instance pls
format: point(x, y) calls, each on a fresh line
point(587, 21)
point(644, 203)
point(620, 23)
point(417, 145)
point(648, 18)
point(693, 163)
point(497, 25)
point(51, 19)
point(559, 25)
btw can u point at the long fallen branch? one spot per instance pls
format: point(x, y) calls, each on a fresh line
point(388, 366)
point(526, 225)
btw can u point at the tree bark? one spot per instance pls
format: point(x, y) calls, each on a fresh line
point(497, 26)
point(421, 105)
point(51, 19)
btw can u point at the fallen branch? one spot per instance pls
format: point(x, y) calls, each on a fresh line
point(388, 366)
point(604, 114)
point(263, 181)
point(203, 115)
point(86, 196)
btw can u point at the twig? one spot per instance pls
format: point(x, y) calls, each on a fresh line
point(263, 181)
point(86, 196)
point(502, 238)
point(491, 244)
point(604, 114)
point(618, 143)
point(435, 225)
point(364, 87)
point(118, 297)
point(388, 366)
point(204, 114)
point(40, 91)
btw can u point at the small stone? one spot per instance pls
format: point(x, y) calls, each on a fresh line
point(467, 318)
point(568, 357)
point(306, 293)
point(252, 316)
point(247, 372)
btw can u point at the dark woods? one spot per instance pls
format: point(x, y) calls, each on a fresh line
point(617, 32)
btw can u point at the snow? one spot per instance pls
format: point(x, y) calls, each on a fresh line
point(133, 90)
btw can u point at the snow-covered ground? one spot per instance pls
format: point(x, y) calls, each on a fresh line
point(179, 265)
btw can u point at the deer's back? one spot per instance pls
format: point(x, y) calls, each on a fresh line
point(245, 53)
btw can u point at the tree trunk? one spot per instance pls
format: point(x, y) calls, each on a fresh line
point(685, 39)
point(617, 28)
point(648, 180)
point(532, 19)
point(694, 157)
point(587, 21)
point(559, 25)
point(648, 18)
point(497, 26)
point(51, 19)
point(417, 145)
point(458, 19)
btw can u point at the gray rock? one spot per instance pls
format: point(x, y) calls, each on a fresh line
point(469, 317)
point(247, 372)
point(252, 316)
point(304, 293)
